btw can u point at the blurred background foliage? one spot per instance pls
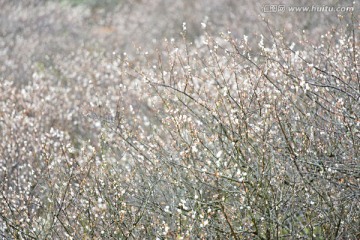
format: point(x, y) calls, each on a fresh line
point(33, 29)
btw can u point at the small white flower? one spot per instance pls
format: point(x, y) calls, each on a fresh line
point(245, 39)
point(184, 26)
point(203, 224)
point(292, 46)
point(98, 124)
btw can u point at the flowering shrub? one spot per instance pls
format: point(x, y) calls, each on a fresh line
point(207, 136)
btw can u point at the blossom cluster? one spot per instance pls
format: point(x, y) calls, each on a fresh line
point(208, 135)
